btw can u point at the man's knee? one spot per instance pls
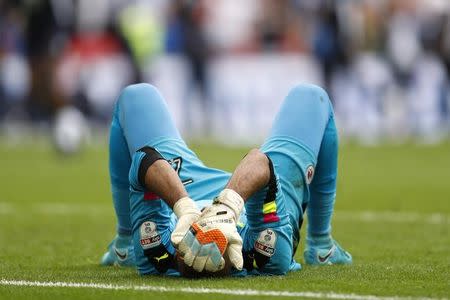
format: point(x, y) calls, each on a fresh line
point(137, 93)
point(310, 95)
point(309, 91)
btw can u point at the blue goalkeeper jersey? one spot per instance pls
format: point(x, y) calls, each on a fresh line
point(269, 210)
point(201, 182)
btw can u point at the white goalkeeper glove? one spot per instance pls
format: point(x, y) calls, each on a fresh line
point(214, 235)
point(187, 213)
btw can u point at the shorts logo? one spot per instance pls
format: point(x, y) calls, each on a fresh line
point(309, 174)
point(149, 236)
point(265, 244)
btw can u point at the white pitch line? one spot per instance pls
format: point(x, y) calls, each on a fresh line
point(54, 208)
point(6, 208)
point(393, 216)
point(188, 290)
point(72, 209)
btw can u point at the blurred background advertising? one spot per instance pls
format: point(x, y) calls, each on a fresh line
point(224, 66)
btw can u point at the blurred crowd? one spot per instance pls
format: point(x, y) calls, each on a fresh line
point(386, 63)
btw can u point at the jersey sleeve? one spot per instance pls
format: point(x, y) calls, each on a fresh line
point(133, 175)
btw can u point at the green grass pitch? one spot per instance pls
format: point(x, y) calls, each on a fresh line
point(392, 214)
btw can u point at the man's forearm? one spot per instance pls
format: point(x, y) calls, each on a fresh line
point(251, 175)
point(162, 180)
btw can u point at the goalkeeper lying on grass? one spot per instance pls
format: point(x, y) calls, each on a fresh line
point(159, 187)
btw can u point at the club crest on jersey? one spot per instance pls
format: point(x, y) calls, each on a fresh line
point(265, 244)
point(149, 236)
point(309, 174)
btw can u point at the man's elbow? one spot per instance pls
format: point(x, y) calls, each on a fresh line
point(257, 155)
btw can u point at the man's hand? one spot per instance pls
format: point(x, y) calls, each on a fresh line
point(187, 213)
point(219, 220)
point(214, 234)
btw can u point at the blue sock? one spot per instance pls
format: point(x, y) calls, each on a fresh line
point(122, 208)
point(119, 166)
point(323, 187)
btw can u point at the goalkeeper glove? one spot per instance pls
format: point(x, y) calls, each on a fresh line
point(187, 213)
point(214, 235)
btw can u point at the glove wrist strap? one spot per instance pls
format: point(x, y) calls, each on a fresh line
point(231, 199)
point(184, 206)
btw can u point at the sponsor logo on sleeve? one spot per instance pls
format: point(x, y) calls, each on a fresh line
point(265, 244)
point(149, 235)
